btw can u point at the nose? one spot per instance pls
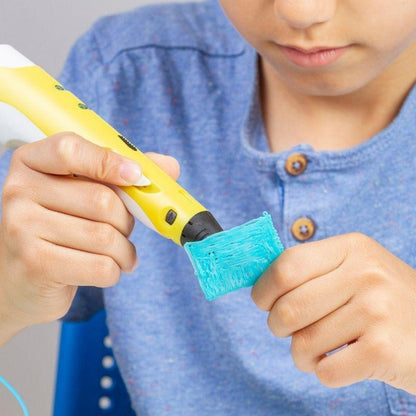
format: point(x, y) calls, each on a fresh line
point(301, 14)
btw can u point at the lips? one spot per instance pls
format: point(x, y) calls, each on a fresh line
point(316, 57)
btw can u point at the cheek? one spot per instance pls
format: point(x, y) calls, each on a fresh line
point(389, 25)
point(249, 17)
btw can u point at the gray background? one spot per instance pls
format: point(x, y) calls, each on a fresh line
point(43, 30)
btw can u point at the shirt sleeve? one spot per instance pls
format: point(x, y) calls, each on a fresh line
point(80, 76)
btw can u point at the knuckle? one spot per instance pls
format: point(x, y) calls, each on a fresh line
point(328, 374)
point(105, 164)
point(132, 252)
point(9, 193)
point(106, 271)
point(381, 349)
point(283, 272)
point(258, 300)
point(16, 158)
point(272, 325)
point(301, 344)
point(13, 230)
point(356, 236)
point(104, 234)
point(364, 308)
point(301, 352)
point(17, 154)
point(15, 221)
point(68, 147)
point(372, 274)
point(379, 307)
point(357, 239)
point(130, 224)
point(285, 317)
point(12, 189)
point(103, 200)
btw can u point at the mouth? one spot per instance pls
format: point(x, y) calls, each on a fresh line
point(317, 57)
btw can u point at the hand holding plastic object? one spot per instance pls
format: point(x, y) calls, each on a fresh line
point(34, 105)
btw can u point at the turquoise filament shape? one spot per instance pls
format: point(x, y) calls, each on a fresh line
point(236, 258)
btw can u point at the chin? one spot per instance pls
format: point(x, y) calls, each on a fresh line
point(323, 88)
point(325, 83)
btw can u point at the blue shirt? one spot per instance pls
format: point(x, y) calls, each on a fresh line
point(178, 79)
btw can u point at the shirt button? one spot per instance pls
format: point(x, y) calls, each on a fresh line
point(296, 164)
point(303, 229)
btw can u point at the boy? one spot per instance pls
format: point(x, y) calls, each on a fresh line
point(307, 111)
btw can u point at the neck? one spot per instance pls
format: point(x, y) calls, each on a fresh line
point(332, 122)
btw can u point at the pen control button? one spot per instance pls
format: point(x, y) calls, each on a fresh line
point(127, 143)
point(171, 216)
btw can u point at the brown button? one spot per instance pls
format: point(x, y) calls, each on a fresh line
point(296, 164)
point(303, 229)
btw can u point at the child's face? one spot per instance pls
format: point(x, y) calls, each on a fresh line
point(373, 32)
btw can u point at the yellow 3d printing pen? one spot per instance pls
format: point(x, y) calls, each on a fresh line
point(34, 105)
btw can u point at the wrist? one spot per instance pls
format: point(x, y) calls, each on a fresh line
point(9, 324)
point(8, 327)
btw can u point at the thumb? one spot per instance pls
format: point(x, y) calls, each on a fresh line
point(67, 153)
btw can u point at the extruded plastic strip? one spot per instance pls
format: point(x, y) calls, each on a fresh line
point(236, 258)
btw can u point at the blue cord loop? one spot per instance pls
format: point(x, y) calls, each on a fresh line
point(16, 395)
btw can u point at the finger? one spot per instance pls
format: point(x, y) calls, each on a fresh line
point(297, 265)
point(311, 301)
point(339, 328)
point(168, 163)
point(82, 268)
point(349, 365)
point(85, 235)
point(84, 199)
point(68, 153)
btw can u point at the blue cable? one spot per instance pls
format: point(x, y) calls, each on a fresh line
point(16, 395)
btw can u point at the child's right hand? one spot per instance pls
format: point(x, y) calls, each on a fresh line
point(61, 228)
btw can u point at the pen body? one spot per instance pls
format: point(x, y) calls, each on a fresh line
point(162, 205)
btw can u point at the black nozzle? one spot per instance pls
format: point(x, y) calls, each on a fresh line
point(199, 227)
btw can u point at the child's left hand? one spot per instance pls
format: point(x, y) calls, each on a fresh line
point(344, 290)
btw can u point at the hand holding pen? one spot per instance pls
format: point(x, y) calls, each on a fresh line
point(63, 227)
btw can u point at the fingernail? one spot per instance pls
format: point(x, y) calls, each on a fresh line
point(130, 172)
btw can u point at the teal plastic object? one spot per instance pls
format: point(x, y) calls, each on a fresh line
point(88, 381)
point(16, 395)
point(236, 258)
